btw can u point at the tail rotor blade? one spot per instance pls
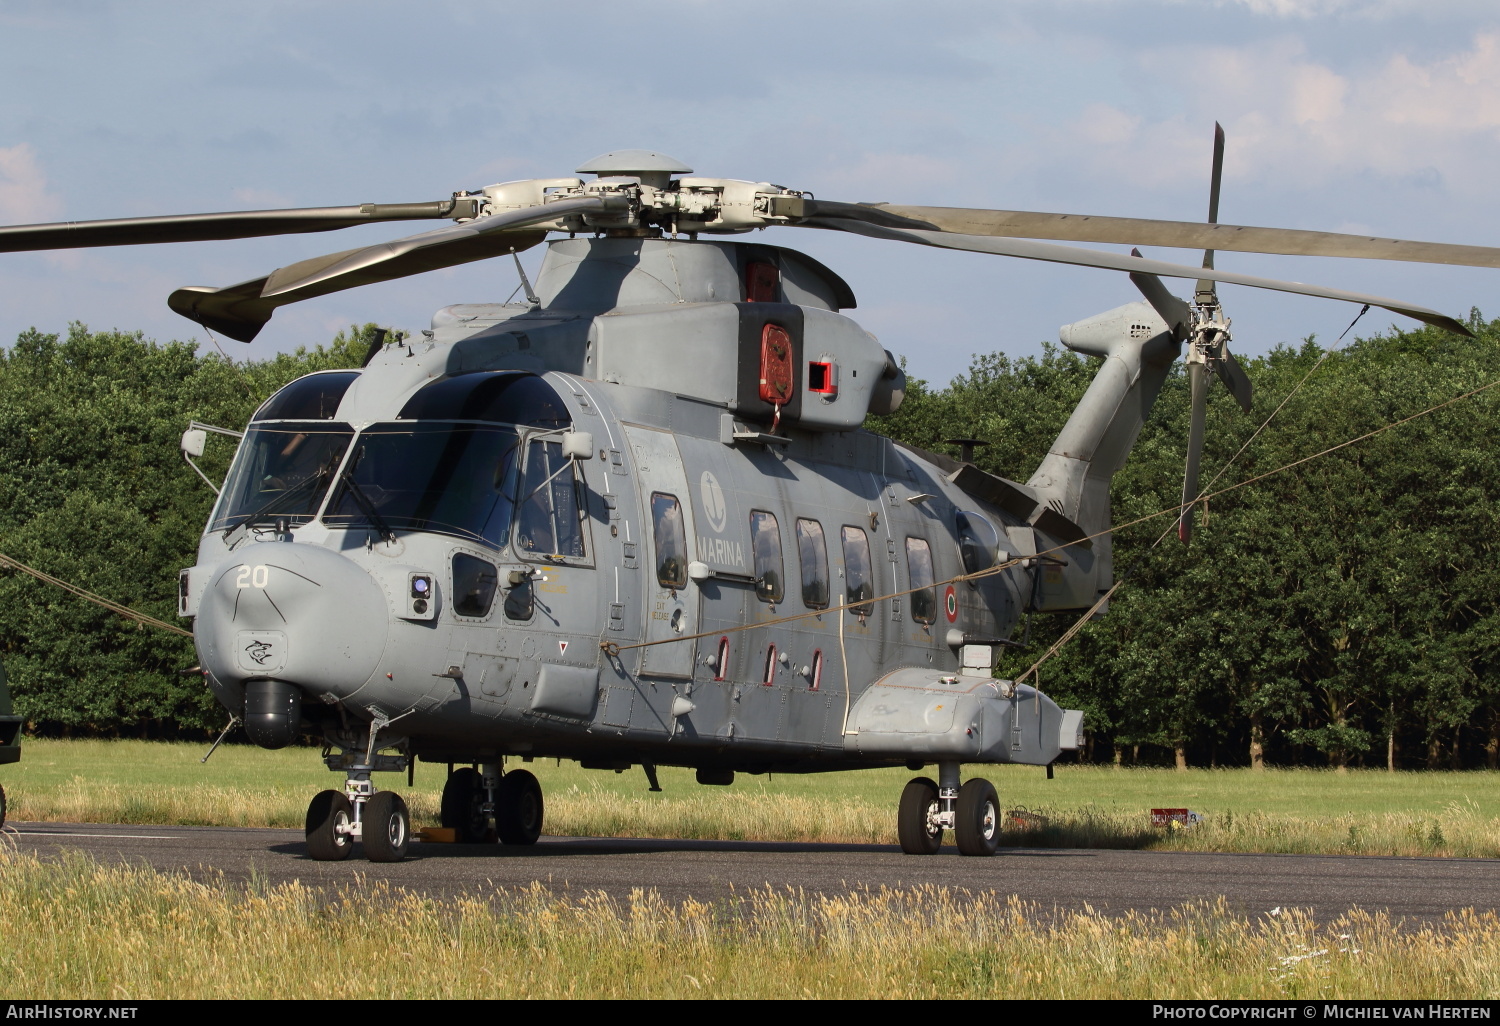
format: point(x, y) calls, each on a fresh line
point(1206, 288)
point(1198, 380)
point(1177, 314)
point(1235, 378)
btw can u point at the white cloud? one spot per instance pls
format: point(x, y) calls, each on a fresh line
point(24, 198)
point(1294, 118)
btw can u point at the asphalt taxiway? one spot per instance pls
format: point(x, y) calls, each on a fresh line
point(1055, 879)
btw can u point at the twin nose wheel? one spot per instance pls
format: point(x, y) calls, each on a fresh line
point(383, 824)
point(973, 815)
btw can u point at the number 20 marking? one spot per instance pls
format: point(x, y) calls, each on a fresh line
point(253, 577)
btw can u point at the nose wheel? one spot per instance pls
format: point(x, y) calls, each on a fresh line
point(336, 819)
point(972, 812)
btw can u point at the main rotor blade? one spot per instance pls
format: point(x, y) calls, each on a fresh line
point(1029, 250)
point(240, 311)
point(353, 261)
point(1131, 231)
point(242, 224)
point(1235, 379)
point(1198, 381)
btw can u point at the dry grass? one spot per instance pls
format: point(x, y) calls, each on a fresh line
point(112, 932)
point(1296, 811)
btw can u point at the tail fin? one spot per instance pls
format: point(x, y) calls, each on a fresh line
point(1138, 348)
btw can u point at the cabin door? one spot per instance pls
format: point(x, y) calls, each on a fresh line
point(671, 600)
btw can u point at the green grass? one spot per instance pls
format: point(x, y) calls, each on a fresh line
point(1368, 812)
point(129, 932)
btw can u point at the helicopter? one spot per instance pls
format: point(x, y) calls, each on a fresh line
point(636, 520)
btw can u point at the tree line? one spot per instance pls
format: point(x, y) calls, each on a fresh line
point(1343, 612)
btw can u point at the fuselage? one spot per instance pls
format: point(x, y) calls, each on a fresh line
point(421, 542)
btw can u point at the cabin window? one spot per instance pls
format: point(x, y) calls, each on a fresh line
point(721, 660)
point(812, 555)
point(859, 572)
point(474, 582)
point(978, 542)
point(314, 397)
point(769, 676)
point(765, 543)
point(817, 670)
point(671, 541)
point(549, 521)
point(919, 572)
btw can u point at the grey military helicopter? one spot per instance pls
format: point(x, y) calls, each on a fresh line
point(634, 520)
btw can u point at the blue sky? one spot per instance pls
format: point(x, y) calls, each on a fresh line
point(1379, 116)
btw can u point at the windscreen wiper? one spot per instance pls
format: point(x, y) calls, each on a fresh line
point(362, 500)
point(269, 509)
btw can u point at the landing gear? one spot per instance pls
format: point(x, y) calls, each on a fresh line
point(518, 808)
point(386, 827)
point(917, 823)
point(976, 825)
point(463, 809)
point(473, 798)
point(972, 812)
point(330, 827)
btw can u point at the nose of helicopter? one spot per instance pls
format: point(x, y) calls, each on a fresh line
point(292, 612)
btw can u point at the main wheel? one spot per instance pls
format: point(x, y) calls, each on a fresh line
point(977, 818)
point(463, 794)
point(916, 821)
point(518, 808)
point(2, 806)
point(329, 818)
point(386, 827)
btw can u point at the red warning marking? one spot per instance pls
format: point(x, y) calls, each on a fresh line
point(562, 648)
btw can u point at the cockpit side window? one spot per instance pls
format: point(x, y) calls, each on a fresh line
point(671, 541)
point(503, 397)
point(313, 397)
point(859, 573)
point(765, 543)
point(549, 521)
point(474, 584)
